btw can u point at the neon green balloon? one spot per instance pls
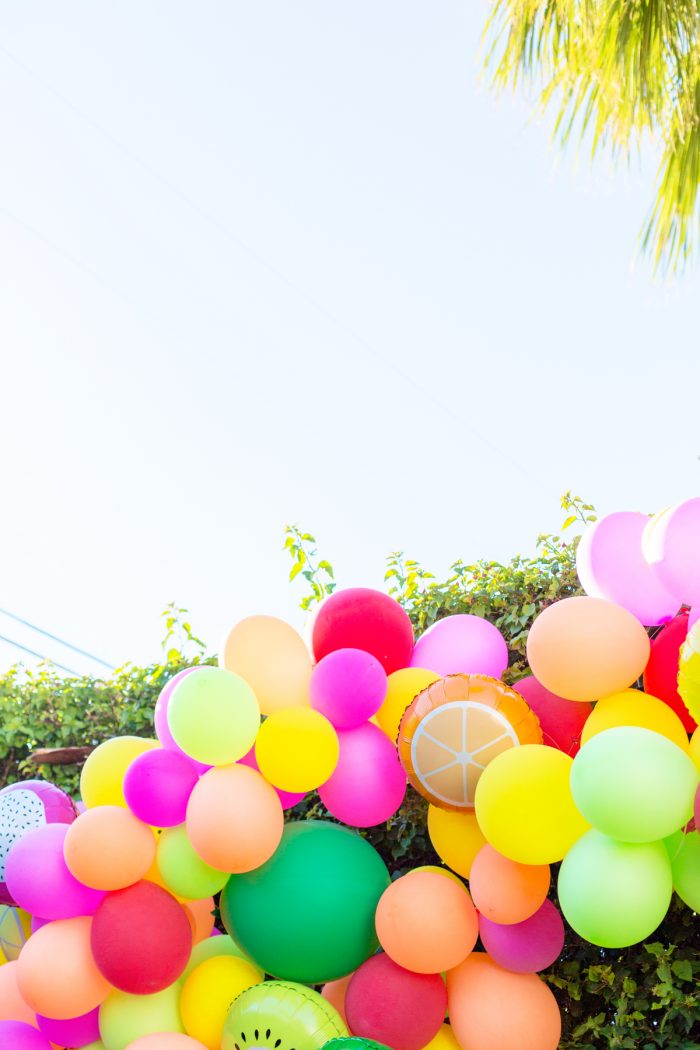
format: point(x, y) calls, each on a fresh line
point(214, 716)
point(211, 947)
point(123, 1017)
point(614, 893)
point(283, 1014)
point(684, 851)
point(634, 785)
point(183, 871)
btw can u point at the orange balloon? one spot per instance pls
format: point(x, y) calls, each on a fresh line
point(234, 819)
point(586, 648)
point(108, 848)
point(334, 993)
point(165, 1041)
point(12, 1005)
point(426, 922)
point(57, 975)
point(201, 916)
point(491, 1007)
point(505, 891)
point(272, 658)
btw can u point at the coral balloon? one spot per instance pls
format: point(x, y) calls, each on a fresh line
point(25, 806)
point(160, 719)
point(505, 891)
point(456, 838)
point(102, 776)
point(671, 548)
point(57, 975)
point(166, 1041)
point(296, 749)
point(348, 686)
point(125, 1018)
point(418, 1003)
point(634, 708)
point(562, 721)
point(426, 923)
point(108, 848)
point(527, 946)
point(201, 917)
point(289, 799)
point(238, 799)
point(661, 671)
point(74, 1032)
point(39, 879)
point(402, 688)
point(368, 784)
point(182, 869)
point(334, 992)
point(208, 992)
point(361, 618)
point(12, 1006)
point(586, 648)
point(462, 644)
point(213, 715)
point(492, 1007)
point(157, 787)
point(272, 658)
point(16, 1035)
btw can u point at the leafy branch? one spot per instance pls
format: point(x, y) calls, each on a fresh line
point(318, 574)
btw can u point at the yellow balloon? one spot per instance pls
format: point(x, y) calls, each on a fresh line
point(631, 707)
point(102, 778)
point(525, 807)
point(212, 947)
point(208, 992)
point(272, 658)
point(444, 1040)
point(456, 838)
point(403, 687)
point(296, 749)
point(695, 747)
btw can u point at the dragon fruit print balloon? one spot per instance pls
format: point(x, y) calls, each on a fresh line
point(25, 806)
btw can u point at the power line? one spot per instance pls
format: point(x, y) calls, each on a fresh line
point(55, 638)
point(40, 656)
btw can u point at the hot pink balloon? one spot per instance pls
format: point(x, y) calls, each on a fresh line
point(24, 806)
point(528, 946)
point(368, 784)
point(37, 922)
point(39, 880)
point(693, 616)
point(462, 644)
point(287, 798)
point(610, 564)
point(157, 787)
point(672, 550)
point(160, 719)
point(696, 808)
point(16, 1035)
point(348, 686)
point(562, 721)
point(76, 1032)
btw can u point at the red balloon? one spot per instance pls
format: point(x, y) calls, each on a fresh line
point(561, 720)
point(361, 618)
point(661, 674)
point(141, 938)
point(390, 1005)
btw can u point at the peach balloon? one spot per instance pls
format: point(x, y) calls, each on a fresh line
point(586, 648)
point(505, 891)
point(165, 1041)
point(426, 922)
point(491, 1007)
point(272, 658)
point(57, 975)
point(334, 993)
point(201, 916)
point(234, 819)
point(12, 1005)
point(108, 848)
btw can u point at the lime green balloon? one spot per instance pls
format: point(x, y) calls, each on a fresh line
point(183, 871)
point(614, 893)
point(634, 785)
point(214, 716)
point(123, 1017)
point(684, 852)
point(282, 1014)
point(210, 948)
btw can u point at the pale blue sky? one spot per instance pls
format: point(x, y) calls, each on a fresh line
point(289, 260)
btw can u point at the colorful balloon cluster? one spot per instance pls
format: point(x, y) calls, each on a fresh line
point(572, 765)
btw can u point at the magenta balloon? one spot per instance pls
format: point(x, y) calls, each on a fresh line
point(368, 784)
point(672, 550)
point(76, 1032)
point(39, 879)
point(693, 616)
point(287, 798)
point(37, 922)
point(16, 1035)
point(611, 565)
point(528, 946)
point(157, 787)
point(462, 644)
point(348, 686)
point(24, 806)
point(160, 719)
point(561, 720)
point(696, 808)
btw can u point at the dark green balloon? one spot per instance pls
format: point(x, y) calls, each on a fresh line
point(307, 915)
point(353, 1042)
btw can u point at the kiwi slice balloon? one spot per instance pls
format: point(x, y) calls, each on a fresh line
point(354, 1042)
point(281, 1015)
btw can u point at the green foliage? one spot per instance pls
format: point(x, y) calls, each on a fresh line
point(318, 574)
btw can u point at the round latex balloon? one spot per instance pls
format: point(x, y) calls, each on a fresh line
point(462, 644)
point(661, 671)
point(102, 776)
point(289, 799)
point(15, 928)
point(308, 913)
point(426, 922)
point(456, 838)
point(238, 799)
point(12, 1006)
point(368, 784)
point(585, 648)
point(610, 564)
point(361, 618)
point(634, 708)
point(213, 715)
point(353, 1042)
point(527, 946)
point(208, 992)
point(160, 719)
point(25, 806)
point(157, 787)
point(201, 916)
point(505, 891)
point(56, 972)
point(141, 939)
point(491, 1007)
point(634, 785)
point(418, 1003)
point(182, 869)
point(334, 992)
point(348, 686)
point(685, 870)
point(689, 672)
point(561, 721)
point(166, 1041)
point(614, 893)
point(525, 807)
point(17, 1035)
point(220, 945)
point(74, 1032)
point(296, 749)
point(671, 548)
point(454, 729)
point(402, 688)
point(272, 658)
point(39, 879)
point(283, 1014)
point(444, 1040)
point(125, 1018)
point(108, 848)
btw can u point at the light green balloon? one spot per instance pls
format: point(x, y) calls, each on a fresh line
point(684, 851)
point(214, 716)
point(183, 870)
point(123, 1017)
point(99, 1045)
point(634, 785)
point(614, 893)
point(211, 947)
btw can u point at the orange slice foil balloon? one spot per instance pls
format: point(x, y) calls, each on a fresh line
point(454, 728)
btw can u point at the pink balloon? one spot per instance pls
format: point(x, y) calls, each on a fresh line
point(39, 880)
point(16, 1035)
point(562, 721)
point(672, 550)
point(287, 798)
point(157, 787)
point(368, 784)
point(462, 644)
point(37, 922)
point(528, 946)
point(696, 808)
point(611, 565)
point(693, 616)
point(166, 1041)
point(76, 1032)
point(26, 805)
point(160, 719)
point(348, 686)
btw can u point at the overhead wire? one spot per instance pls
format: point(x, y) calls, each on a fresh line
point(55, 638)
point(39, 656)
